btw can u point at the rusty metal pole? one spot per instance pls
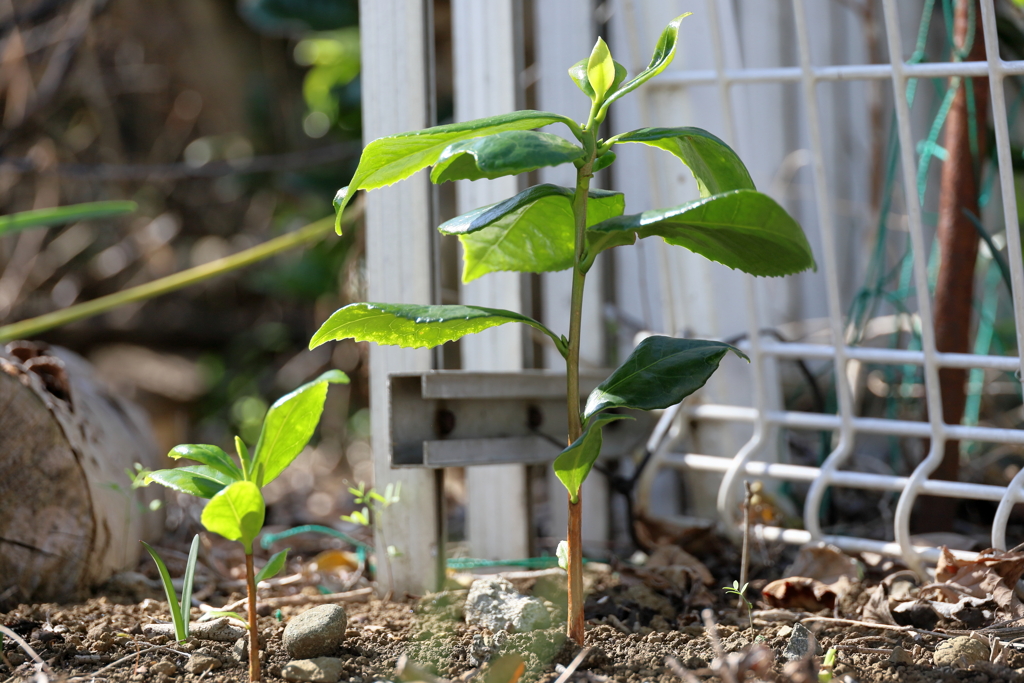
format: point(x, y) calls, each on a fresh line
point(958, 253)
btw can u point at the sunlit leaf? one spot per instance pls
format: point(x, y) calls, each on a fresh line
point(660, 372)
point(578, 73)
point(531, 232)
point(186, 584)
point(387, 160)
point(196, 480)
point(574, 463)
point(664, 52)
point(208, 455)
point(742, 229)
point(714, 164)
point(503, 154)
point(600, 69)
point(273, 566)
point(415, 326)
point(289, 425)
point(180, 629)
point(236, 513)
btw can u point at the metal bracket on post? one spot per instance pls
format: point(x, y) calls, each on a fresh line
point(454, 418)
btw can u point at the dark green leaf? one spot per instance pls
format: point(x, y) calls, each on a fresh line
point(716, 167)
point(502, 154)
point(415, 326)
point(196, 480)
point(574, 463)
point(289, 425)
point(603, 161)
point(531, 232)
point(742, 229)
point(186, 584)
point(660, 372)
point(664, 51)
point(578, 73)
point(236, 513)
point(42, 218)
point(387, 160)
point(273, 566)
point(208, 455)
point(180, 629)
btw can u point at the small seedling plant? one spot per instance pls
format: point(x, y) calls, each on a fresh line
point(374, 503)
point(236, 509)
point(180, 612)
point(740, 592)
point(549, 228)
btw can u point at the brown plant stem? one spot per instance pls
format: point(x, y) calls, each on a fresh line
point(745, 557)
point(254, 636)
point(575, 627)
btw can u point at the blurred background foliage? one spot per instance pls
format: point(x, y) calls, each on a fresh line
point(229, 123)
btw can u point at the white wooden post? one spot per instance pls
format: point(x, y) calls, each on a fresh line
point(564, 33)
point(396, 70)
point(483, 42)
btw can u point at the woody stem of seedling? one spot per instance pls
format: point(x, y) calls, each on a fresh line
point(745, 556)
point(254, 638)
point(579, 210)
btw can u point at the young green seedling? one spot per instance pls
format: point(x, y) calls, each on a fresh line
point(547, 228)
point(740, 592)
point(374, 503)
point(236, 508)
point(179, 611)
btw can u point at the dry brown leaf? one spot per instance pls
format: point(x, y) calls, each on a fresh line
point(800, 593)
point(823, 562)
point(670, 559)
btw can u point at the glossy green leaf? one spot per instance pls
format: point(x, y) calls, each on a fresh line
point(387, 160)
point(180, 629)
point(415, 326)
point(532, 232)
point(236, 513)
point(289, 425)
point(208, 455)
point(196, 480)
point(664, 52)
point(660, 372)
point(578, 73)
point(715, 166)
point(43, 218)
point(574, 463)
point(503, 154)
point(273, 566)
point(186, 584)
point(601, 69)
point(603, 161)
point(742, 229)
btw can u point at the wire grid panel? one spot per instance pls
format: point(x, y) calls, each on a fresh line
point(673, 428)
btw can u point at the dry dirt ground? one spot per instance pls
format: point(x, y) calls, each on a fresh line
point(632, 631)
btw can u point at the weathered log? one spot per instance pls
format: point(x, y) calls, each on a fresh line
point(69, 518)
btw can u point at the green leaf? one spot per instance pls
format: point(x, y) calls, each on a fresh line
point(742, 229)
point(664, 52)
point(387, 160)
point(289, 425)
point(186, 584)
point(600, 69)
point(503, 154)
point(273, 566)
point(603, 161)
point(180, 633)
point(716, 167)
point(531, 232)
point(243, 457)
point(236, 513)
point(416, 326)
point(578, 73)
point(574, 463)
point(42, 218)
point(660, 372)
point(196, 480)
point(208, 455)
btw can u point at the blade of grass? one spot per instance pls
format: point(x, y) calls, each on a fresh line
point(44, 218)
point(172, 598)
point(186, 587)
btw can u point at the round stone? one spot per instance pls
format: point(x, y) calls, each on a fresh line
point(317, 632)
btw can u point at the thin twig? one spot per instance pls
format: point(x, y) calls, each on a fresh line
point(118, 662)
point(571, 669)
point(864, 650)
point(358, 595)
point(25, 646)
point(745, 556)
point(675, 667)
point(866, 624)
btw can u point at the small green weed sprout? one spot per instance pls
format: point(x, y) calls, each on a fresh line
point(374, 503)
point(739, 591)
point(179, 611)
point(825, 675)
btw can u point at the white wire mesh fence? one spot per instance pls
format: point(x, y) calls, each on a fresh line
point(845, 424)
